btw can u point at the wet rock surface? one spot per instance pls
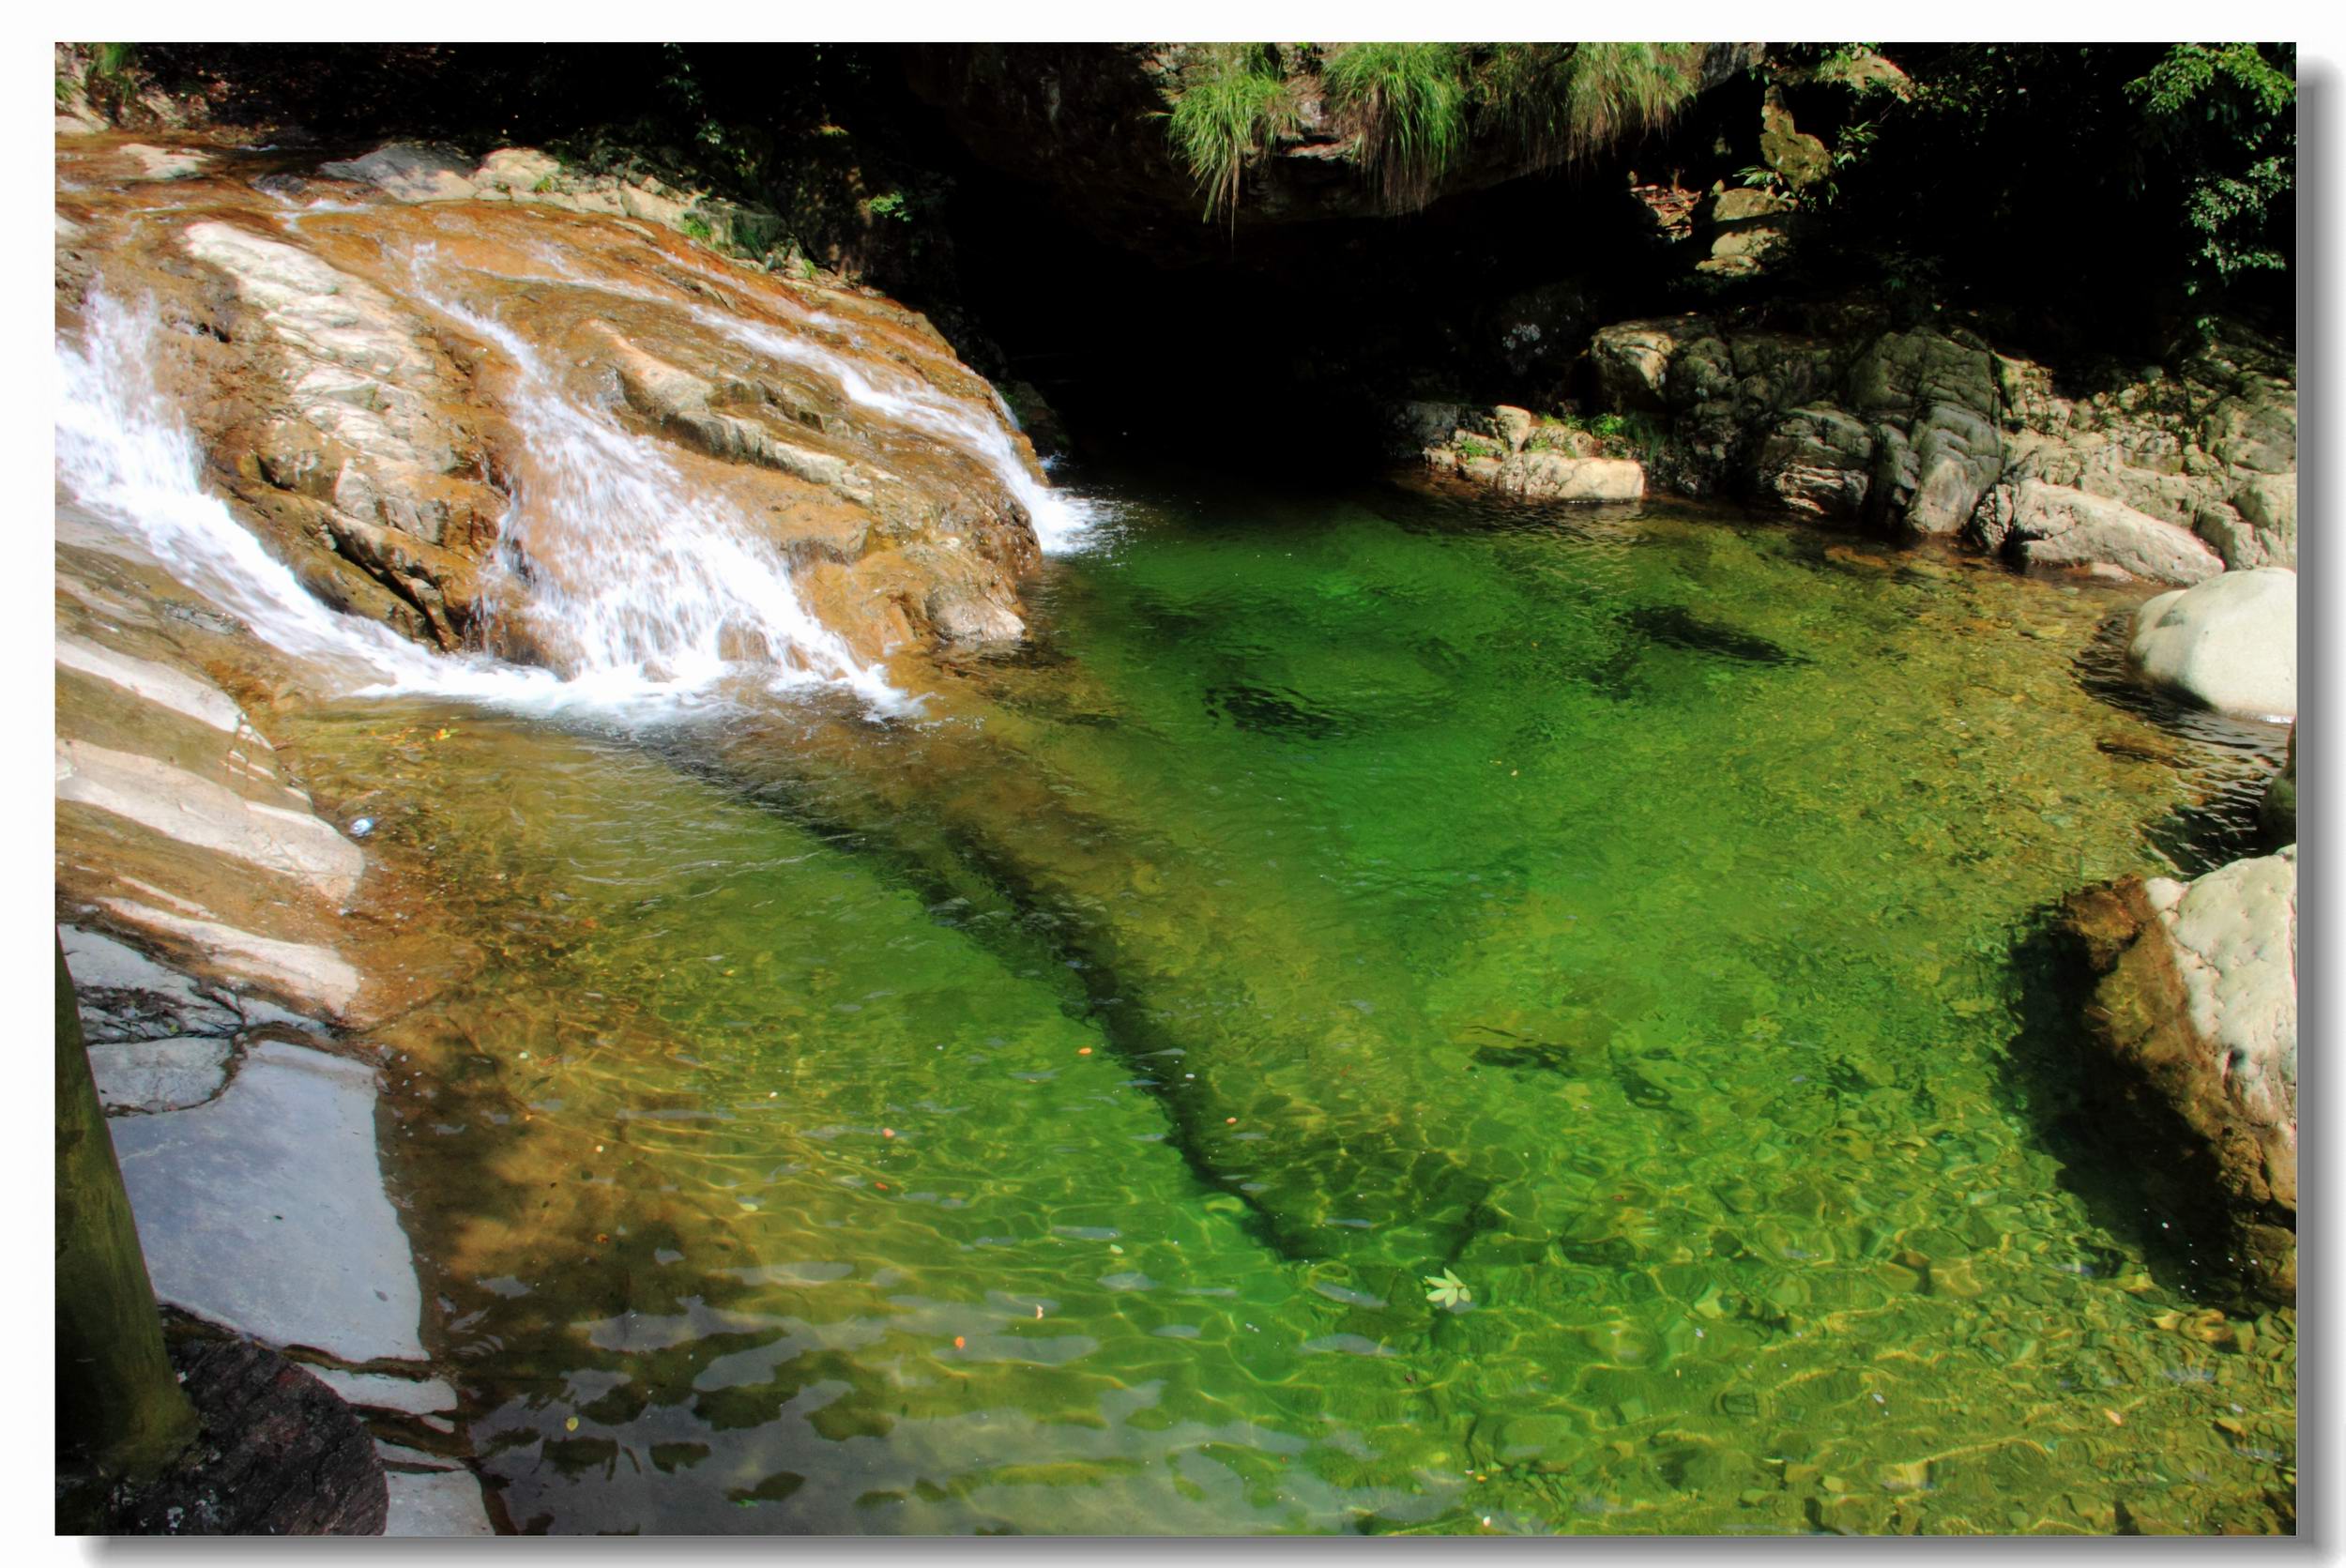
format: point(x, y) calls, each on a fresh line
point(279, 1455)
point(382, 357)
point(160, 1074)
point(265, 1209)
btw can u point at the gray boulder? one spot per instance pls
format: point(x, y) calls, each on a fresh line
point(2055, 525)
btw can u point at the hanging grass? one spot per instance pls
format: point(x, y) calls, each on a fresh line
point(1570, 101)
point(1234, 102)
point(1409, 103)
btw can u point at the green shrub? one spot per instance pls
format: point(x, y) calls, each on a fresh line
point(1233, 103)
point(2222, 116)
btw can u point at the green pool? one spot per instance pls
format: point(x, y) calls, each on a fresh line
point(1046, 1114)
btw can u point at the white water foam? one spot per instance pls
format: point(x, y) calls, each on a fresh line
point(657, 583)
point(1061, 521)
point(125, 456)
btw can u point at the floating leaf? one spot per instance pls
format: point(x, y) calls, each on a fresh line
point(1449, 1290)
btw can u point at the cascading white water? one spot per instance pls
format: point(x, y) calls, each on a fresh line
point(124, 456)
point(1060, 521)
point(668, 583)
point(656, 584)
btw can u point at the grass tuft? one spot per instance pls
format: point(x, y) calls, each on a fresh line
point(1409, 103)
point(1234, 102)
point(1568, 101)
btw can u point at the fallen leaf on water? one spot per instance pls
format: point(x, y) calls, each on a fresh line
point(571, 1424)
point(1449, 1290)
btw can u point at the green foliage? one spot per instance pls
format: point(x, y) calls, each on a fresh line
point(1476, 447)
point(111, 62)
point(1613, 434)
point(1415, 106)
point(691, 225)
point(2223, 117)
point(1568, 101)
point(108, 76)
point(1234, 102)
point(895, 206)
point(2184, 152)
point(1408, 102)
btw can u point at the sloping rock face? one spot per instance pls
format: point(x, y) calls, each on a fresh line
point(2172, 478)
point(2196, 1010)
point(378, 358)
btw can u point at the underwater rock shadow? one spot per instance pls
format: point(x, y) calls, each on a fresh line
point(2115, 1152)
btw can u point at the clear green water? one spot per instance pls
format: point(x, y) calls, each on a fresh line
point(1042, 1117)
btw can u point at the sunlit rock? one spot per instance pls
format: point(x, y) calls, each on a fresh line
point(2230, 644)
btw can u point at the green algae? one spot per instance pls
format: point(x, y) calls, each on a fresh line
point(1043, 1116)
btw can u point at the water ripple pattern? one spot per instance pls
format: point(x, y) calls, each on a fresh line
point(1392, 1015)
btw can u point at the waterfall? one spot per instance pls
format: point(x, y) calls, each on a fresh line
point(670, 585)
point(641, 579)
point(1060, 522)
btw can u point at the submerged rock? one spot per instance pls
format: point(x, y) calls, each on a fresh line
point(2196, 1011)
point(2230, 644)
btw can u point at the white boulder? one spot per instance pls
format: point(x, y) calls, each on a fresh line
point(2229, 644)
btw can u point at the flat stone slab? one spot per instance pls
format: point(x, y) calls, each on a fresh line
point(161, 684)
point(265, 1209)
point(314, 976)
point(442, 1504)
point(160, 1075)
point(379, 1391)
point(195, 810)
